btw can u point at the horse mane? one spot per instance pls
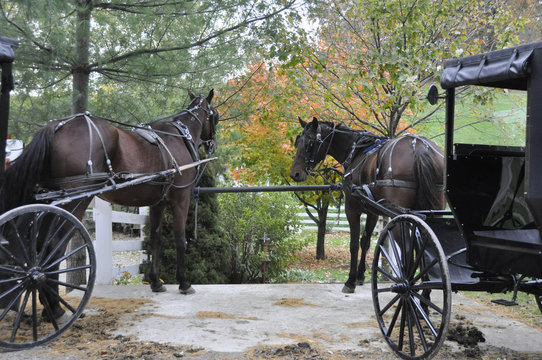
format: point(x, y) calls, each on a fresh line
point(364, 139)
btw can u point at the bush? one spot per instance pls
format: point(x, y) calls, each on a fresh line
point(246, 219)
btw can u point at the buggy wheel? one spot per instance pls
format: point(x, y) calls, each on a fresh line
point(43, 290)
point(411, 288)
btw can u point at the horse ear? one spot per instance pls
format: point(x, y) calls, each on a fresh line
point(314, 122)
point(210, 96)
point(192, 96)
point(301, 122)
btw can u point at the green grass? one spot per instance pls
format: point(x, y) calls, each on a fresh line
point(500, 123)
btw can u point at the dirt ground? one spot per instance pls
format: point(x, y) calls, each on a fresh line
point(102, 333)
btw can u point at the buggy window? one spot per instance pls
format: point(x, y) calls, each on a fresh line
point(500, 122)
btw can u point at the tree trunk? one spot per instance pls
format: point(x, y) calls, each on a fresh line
point(80, 69)
point(81, 72)
point(322, 223)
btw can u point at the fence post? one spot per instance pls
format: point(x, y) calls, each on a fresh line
point(103, 245)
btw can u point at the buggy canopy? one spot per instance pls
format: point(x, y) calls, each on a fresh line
point(517, 68)
point(508, 68)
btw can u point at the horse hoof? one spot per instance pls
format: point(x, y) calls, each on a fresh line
point(360, 282)
point(348, 290)
point(189, 291)
point(158, 289)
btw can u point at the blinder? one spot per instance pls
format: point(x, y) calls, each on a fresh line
point(311, 148)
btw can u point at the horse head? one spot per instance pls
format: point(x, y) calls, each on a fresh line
point(310, 149)
point(208, 131)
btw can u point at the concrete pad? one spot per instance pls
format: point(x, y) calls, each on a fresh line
point(234, 318)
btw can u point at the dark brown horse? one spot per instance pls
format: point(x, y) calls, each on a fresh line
point(88, 152)
point(405, 172)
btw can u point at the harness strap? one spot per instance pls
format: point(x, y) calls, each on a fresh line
point(66, 180)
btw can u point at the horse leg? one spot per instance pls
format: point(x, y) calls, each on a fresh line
point(370, 224)
point(180, 212)
point(155, 216)
point(353, 217)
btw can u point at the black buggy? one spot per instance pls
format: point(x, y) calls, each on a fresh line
point(490, 240)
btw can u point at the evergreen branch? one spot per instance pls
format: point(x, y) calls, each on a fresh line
point(149, 51)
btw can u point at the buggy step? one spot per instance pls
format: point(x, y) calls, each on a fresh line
point(505, 302)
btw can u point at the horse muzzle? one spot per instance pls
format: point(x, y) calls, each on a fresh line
point(298, 175)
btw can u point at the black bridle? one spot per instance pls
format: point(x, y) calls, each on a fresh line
point(313, 146)
point(212, 119)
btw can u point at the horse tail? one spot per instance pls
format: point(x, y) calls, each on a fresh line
point(429, 176)
point(27, 171)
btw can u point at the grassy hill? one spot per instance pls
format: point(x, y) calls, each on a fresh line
point(500, 123)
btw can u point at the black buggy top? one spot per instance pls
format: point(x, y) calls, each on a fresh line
point(495, 192)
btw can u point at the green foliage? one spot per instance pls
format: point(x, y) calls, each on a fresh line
point(248, 218)
point(139, 57)
point(127, 279)
point(375, 59)
point(207, 258)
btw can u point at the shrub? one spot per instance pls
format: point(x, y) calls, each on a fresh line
point(246, 219)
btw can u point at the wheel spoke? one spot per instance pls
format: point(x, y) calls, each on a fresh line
point(59, 298)
point(50, 236)
point(390, 304)
point(59, 260)
point(393, 245)
point(394, 319)
point(10, 280)
point(424, 271)
point(388, 258)
point(49, 311)
point(11, 256)
point(71, 286)
point(18, 318)
point(11, 270)
point(405, 246)
point(387, 274)
point(62, 271)
point(411, 343)
point(10, 304)
point(59, 245)
point(424, 315)
point(402, 326)
point(418, 326)
point(428, 302)
point(34, 315)
point(21, 245)
point(13, 289)
point(419, 254)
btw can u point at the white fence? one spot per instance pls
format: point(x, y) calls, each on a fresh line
point(104, 217)
point(336, 220)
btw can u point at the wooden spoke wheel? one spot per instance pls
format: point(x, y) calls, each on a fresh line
point(411, 288)
point(47, 272)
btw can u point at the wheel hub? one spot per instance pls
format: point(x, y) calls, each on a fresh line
point(37, 275)
point(400, 288)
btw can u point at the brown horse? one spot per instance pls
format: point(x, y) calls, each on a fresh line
point(87, 152)
point(405, 172)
